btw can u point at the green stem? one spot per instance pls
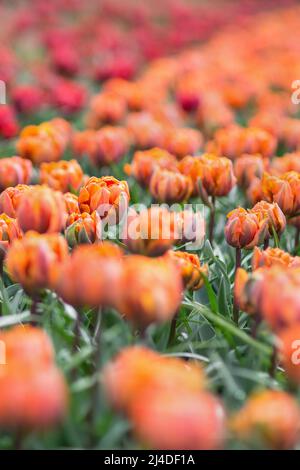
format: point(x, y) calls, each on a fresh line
point(220, 321)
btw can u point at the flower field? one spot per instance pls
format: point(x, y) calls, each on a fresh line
point(149, 225)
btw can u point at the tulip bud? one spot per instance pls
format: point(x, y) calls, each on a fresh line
point(157, 293)
point(83, 228)
point(107, 195)
point(248, 290)
point(164, 419)
point(91, 275)
point(243, 229)
point(254, 192)
point(272, 416)
point(192, 272)
point(150, 233)
point(170, 186)
point(14, 171)
point(34, 260)
point(286, 163)
point(62, 176)
point(145, 130)
point(41, 209)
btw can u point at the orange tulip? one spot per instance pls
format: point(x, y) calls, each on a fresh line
point(9, 231)
point(107, 195)
point(271, 257)
point(106, 108)
point(62, 176)
point(277, 189)
point(10, 199)
point(145, 130)
point(91, 276)
point(254, 192)
point(272, 212)
point(84, 142)
point(27, 344)
point(170, 186)
point(110, 145)
point(270, 415)
point(34, 260)
point(286, 163)
point(71, 202)
point(151, 232)
point(235, 141)
point(244, 229)
point(248, 167)
point(83, 228)
point(216, 175)
point(41, 209)
point(157, 293)
point(145, 162)
point(164, 419)
point(31, 397)
point(183, 141)
point(45, 142)
point(136, 369)
point(192, 272)
point(14, 171)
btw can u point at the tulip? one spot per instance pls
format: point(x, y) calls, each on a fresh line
point(145, 162)
point(270, 415)
point(91, 276)
point(272, 212)
point(14, 171)
point(83, 228)
point(248, 167)
point(27, 99)
point(235, 141)
point(276, 189)
point(146, 131)
point(286, 163)
point(62, 176)
point(110, 145)
point(71, 203)
point(41, 209)
point(34, 260)
point(45, 142)
point(10, 199)
point(68, 96)
point(136, 369)
point(271, 257)
point(189, 265)
point(84, 142)
point(182, 142)
point(150, 233)
point(244, 229)
point(9, 231)
point(190, 228)
point(106, 108)
point(170, 186)
point(248, 290)
point(254, 192)
point(164, 419)
point(31, 398)
point(157, 293)
point(107, 195)
point(28, 345)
